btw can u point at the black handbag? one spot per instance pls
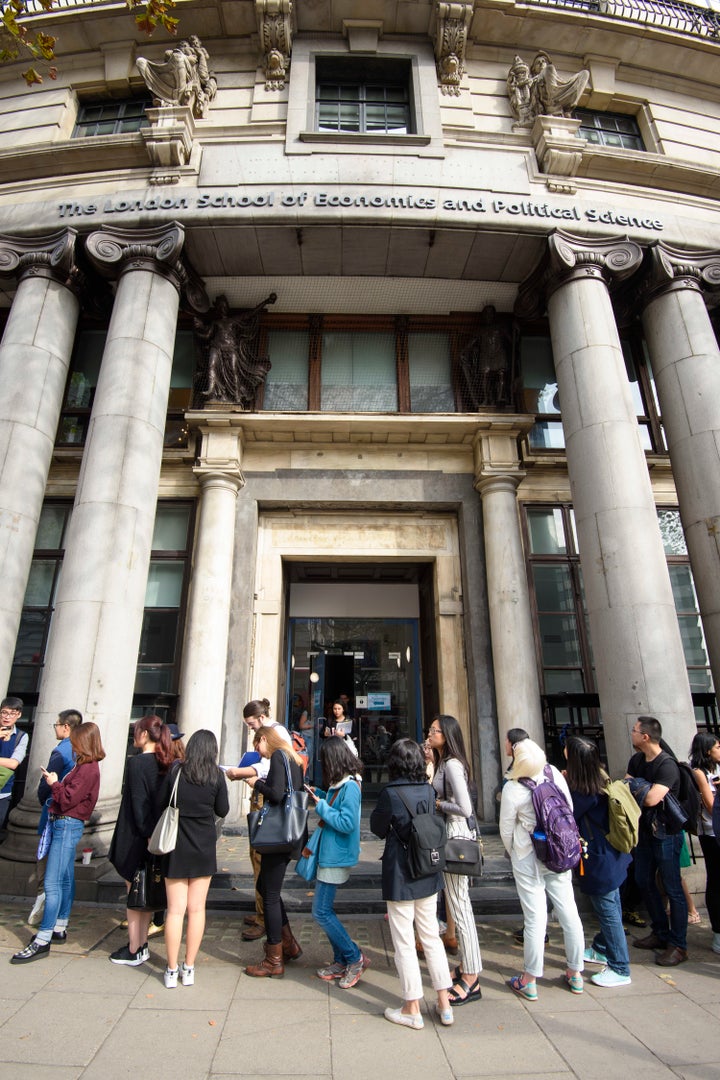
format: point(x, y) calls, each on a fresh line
point(280, 828)
point(147, 888)
point(463, 856)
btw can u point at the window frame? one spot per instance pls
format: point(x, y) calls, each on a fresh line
point(599, 115)
point(109, 103)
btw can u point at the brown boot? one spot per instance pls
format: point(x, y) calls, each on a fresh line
point(271, 967)
point(254, 932)
point(290, 947)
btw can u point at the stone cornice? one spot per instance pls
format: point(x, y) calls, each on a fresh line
point(115, 251)
point(53, 256)
point(572, 258)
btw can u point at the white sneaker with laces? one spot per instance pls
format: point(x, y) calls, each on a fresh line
point(187, 975)
point(411, 1020)
point(170, 978)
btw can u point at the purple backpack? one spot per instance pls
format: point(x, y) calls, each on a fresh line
point(556, 838)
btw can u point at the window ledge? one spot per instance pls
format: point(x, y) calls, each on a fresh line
point(349, 139)
point(652, 170)
point(72, 156)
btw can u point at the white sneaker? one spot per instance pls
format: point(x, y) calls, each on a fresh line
point(397, 1016)
point(187, 975)
point(592, 956)
point(38, 907)
point(608, 977)
point(170, 977)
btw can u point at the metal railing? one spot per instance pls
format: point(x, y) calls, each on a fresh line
point(697, 20)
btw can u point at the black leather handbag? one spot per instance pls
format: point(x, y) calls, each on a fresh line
point(463, 856)
point(281, 828)
point(147, 888)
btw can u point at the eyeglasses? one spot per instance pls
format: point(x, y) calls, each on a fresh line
point(434, 731)
point(9, 712)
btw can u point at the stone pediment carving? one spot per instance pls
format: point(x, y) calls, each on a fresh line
point(183, 78)
point(452, 23)
point(275, 27)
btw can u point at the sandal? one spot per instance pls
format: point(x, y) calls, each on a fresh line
point(471, 993)
point(695, 919)
point(526, 990)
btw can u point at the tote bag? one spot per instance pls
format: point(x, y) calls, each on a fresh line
point(279, 829)
point(164, 835)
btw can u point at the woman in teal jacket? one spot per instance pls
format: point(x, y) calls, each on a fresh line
point(338, 808)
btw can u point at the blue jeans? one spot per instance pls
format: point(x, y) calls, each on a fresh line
point(345, 951)
point(611, 940)
point(60, 873)
point(663, 856)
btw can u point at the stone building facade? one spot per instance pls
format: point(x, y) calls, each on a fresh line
point(479, 245)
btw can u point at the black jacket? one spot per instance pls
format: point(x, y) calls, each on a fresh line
point(390, 821)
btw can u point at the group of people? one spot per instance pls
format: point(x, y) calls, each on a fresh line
point(433, 779)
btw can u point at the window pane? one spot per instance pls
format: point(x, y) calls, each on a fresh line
point(286, 385)
point(39, 590)
point(31, 637)
point(85, 368)
point(159, 634)
point(559, 640)
point(547, 533)
point(50, 528)
point(632, 375)
point(563, 682)
point(553, 588)
point(682, 587)
point(547, 435)
point(430, 376)
point(672, 533)
point(171, 528)
point(359, 372)
point(693, 641)
point(537, 367)
point(183, 367)
point(164, 587)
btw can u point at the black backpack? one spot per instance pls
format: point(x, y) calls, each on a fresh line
point(426, 845)
point(689, 796)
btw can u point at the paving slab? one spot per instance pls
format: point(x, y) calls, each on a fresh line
point(52, 1029)
point(144, 1044)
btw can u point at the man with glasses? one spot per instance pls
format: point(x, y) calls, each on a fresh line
point(658, 851)
point(61, 762)
point(13, 748)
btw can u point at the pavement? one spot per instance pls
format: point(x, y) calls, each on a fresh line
point(73, 1015)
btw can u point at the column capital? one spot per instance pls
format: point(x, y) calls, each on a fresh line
point(669, 269)
point(231, 478)
point(574, 258)
point(497, 462)
point(114, 251)
point(52, 256)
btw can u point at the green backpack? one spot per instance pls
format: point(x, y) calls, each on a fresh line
point(624, 816)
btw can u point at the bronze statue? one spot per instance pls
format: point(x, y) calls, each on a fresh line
point(485, 365)
point(234, 370)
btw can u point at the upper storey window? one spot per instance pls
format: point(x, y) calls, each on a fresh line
point(616, 130)
point(367, 96)
point(111, 117)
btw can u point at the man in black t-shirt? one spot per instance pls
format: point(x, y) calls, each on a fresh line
point(657, 850)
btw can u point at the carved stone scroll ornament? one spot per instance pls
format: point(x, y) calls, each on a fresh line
point(274, 20)
point(52, 256)
point(670, 268)
point(539, 91)
point(452, 22)
point(569, 258)
point(233, 369)
point(184, 77)
point(114, 251)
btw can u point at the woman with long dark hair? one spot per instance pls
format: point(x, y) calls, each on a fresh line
point(604, 869)
point(73, 800)
point(201, 796)
point(280, 944)
point(338, 807)
point(705, 763)
point(137, 817)
point(410, 900)
point(453, 801)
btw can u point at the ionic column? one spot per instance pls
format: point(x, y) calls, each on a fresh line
point(517, 689)
point(92, 650)
point(34, 358)
point(202, 678)
point(636, 641)
point(686, 364)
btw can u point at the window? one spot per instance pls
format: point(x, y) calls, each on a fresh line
point(160, 640)
point(83, 379)
point(366, 96)
point(431, 388)
point(39, 600)
point(286, 385)
point(559, 612)
point(615, 130)
point(111, 117)
point(358, 372)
